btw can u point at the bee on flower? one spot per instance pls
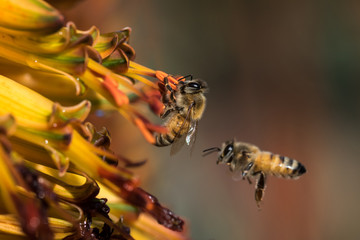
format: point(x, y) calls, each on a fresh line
point(184, 104)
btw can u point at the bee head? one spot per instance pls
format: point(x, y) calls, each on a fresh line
point(193, 86)
point(226, 153)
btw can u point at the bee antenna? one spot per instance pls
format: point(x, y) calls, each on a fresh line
point(211, 150)
point(191, 77)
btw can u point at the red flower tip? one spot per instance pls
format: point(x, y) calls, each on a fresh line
point(111, 86)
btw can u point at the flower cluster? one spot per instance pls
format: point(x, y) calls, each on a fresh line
point(53, 163)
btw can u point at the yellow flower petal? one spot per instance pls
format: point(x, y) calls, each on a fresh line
point(29, 16)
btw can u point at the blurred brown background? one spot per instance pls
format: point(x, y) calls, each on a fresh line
point(284, 75)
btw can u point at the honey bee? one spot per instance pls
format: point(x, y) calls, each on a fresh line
point(184, 107)
point(248, 161)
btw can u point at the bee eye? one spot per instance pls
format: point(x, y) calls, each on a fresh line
point(228, 150)
point(194, 85)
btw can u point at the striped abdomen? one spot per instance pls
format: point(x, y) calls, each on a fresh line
point(279, 166)
point(176, 129)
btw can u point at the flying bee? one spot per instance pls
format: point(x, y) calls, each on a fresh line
point(184, 107)
point(248, 161)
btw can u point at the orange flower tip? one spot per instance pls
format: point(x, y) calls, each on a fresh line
point(160, 75)
point(157, 110)
point(111, 86)
point(151, 140)
point(122, 100)
point(155, 104)
point(173, 80)
point(155, 128)
point(173, 86)
point(148, 136)
point(144, 130)
point(152, 127)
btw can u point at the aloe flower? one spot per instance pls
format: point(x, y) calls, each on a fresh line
point(52, 162)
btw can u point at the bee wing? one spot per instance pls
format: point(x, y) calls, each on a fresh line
point(236, 172)
point(191, 135)
point(237, 175)
point(188, 125)
point(179, 141)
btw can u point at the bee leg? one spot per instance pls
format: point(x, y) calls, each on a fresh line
point(165, 98)
point(247, 169)
point(250, 182)
point(168, 109)
point(172, 97)
point(166, 113)
point(259, 188)
point(179, 109)
point(167, 85)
